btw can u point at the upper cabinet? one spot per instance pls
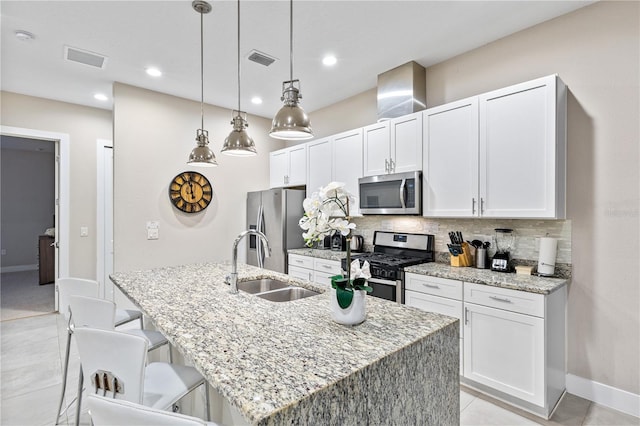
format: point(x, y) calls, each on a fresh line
point(336, 158)
point(450, 175)
point(523, 150)
point(500, 154)
point(393, 146)
point(288, 166)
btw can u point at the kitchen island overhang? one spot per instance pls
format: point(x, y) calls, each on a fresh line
point(289, 363)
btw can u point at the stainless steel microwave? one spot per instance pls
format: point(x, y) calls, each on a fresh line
point(399, 193)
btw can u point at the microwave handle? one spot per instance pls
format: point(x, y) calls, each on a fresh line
point(402, 191)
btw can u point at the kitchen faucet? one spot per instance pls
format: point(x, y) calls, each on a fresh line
point(233, 278)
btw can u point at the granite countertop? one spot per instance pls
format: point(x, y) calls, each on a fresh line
point(321, 254)
point(262, 356)
point(529, 283)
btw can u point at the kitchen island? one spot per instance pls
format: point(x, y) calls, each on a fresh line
point(289, 363)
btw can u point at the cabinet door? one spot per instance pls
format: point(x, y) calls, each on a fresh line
point(505, 350)
point(297, 165)
point(406, 143)
point(450, 162)
point(300, 273)
point(347, 163)
point(278, 163)
point(319, 164)
point(376, 149)
point(518, 150)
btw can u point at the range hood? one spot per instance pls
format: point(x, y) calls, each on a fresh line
point(401, 91)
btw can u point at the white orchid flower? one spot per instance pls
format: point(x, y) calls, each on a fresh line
point(324, 211)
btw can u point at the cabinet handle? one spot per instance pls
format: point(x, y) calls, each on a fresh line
point(326, 266)
point(298, 261)
point(481, 205)
point(386, 165)
point(310, 279)
point(430, 285)
point(466, 316)
point(500, 299)
point(473, 206)
point(392, 165)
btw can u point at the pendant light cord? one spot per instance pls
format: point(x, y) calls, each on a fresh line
point(291, 41)
point(238, 57)
point(202, 69)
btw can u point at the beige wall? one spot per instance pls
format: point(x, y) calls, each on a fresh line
point(153, 136)
point(85, 126)
point(595, 50)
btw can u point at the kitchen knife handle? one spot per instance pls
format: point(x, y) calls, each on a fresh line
point(386, 165)
point(473, 206)
point(403, 186)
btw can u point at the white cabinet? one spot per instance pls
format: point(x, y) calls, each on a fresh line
point(500, 154)
point(393, 146)
point(523, 150)
point(514, 345)
point(336, 158)
point(434, 294)
point(313, 269)
point(450, 175)
point(288, 166)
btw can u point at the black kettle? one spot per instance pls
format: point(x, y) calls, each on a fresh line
point(357, 243)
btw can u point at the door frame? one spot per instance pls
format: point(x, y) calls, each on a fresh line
point(62, 141)
point(101, 144)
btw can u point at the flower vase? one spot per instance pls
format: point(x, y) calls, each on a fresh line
point(353, 314)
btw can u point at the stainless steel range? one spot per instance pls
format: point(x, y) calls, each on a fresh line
point(392, 251)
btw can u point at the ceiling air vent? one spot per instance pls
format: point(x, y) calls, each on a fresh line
point(84, 57)
point(261, 58)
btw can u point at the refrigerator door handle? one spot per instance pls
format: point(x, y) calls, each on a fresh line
point(260, 224)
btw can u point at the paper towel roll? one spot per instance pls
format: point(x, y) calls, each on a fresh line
point(547, 256)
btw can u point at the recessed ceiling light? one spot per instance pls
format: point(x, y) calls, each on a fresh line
point(24, 35)
point(101, 97)
point(256, 100)
point(329, 60)
point(154, 72)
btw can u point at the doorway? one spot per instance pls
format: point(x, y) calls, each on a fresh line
point(60, 220)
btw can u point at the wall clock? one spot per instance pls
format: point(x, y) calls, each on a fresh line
point(190, 192)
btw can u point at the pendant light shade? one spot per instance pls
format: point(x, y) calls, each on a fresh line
point(291, 122)
point(239, 143)
point(202, 155)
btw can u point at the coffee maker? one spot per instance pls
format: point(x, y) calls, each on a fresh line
point(501, 261)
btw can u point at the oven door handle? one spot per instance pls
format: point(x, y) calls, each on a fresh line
point(384, 282)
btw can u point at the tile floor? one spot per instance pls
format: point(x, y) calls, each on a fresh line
point(30, 378)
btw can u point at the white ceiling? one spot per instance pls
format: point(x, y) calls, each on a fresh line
point(368, 38)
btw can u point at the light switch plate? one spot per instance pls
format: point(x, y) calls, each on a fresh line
point(84, 231)
point(153, 231)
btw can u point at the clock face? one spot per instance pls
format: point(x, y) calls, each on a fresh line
point(190, 192)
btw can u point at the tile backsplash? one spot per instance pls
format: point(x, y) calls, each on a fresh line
point(528, 232)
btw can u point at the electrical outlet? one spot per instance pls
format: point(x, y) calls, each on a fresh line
point(153, 232)
point(84, 231)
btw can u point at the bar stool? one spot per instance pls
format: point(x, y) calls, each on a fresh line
point(115, 362)
point(100, 313)
point(117, 412)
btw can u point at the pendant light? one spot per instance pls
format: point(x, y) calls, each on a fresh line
point(239, 143)
point(291, 122)
point(202, 154)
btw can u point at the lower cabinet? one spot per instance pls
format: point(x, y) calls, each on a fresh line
point(313, 269)
point(512, 342)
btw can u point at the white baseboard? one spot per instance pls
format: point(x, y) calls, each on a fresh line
point(19, 268)
point(606, 395)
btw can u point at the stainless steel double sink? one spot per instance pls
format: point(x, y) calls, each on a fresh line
point(275, 290)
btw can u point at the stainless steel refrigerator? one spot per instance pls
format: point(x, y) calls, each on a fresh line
point(274, 212)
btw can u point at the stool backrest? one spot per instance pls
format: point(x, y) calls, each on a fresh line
point(68, 287)
point(117, 355)
point(92, 312)
point(113, 412)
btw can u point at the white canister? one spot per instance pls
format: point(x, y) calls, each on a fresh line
point(547, 256)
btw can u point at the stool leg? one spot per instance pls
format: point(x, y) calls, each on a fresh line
point(64, 375)
point(79, 406)
point(207, 404)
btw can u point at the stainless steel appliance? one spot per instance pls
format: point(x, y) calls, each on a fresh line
point(398, 193)
point(392, 251)
point(275, 213)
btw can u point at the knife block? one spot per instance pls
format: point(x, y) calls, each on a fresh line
point(464, 259)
